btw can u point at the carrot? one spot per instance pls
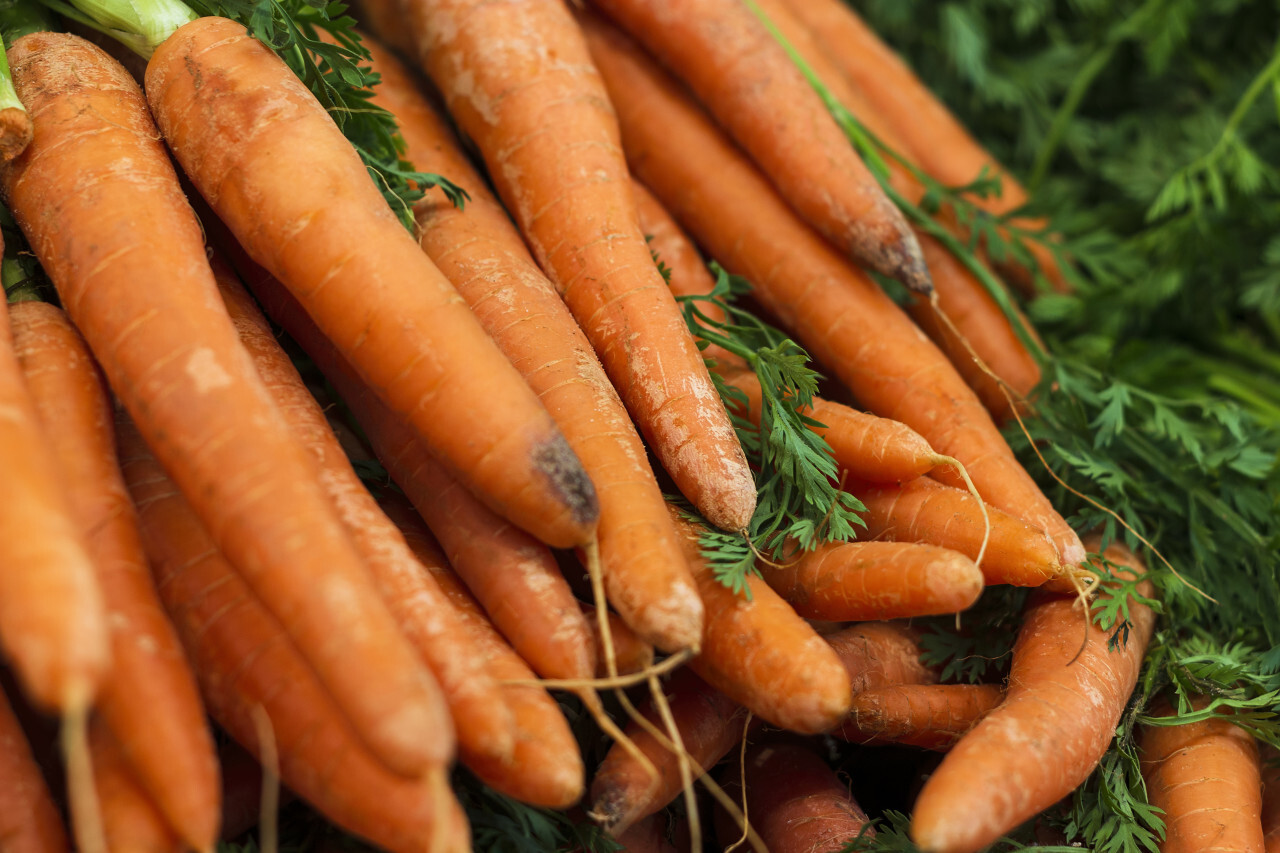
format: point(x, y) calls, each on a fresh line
point(836, 311)
point(1044, 739)
point(245, 660)
point(419, 607)
point(508, 72)
point(846, 581)
point(131, 820)
point(930, 716)
point(747, 81)
point(1271, 798)
point(483, 255)
point(29, 821)
point(546, 768)
point(149, 701)
point(631, 654)
point(173, 358)
point(647, 836)
point(1206, 778)
point(881, 654)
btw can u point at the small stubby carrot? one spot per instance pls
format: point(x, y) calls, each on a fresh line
point(131, 821)
point(1057, 719)
point(1206, 778)
point(245, 661)
point(854, 581)
point(881, 654)
point(929, 716)
point(509, 73)
point(1271, 798)
point(834, 309)
point(149, 701)
point(631, 654)
point(29, 821)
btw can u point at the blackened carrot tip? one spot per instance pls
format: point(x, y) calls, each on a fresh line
point(607, 809)
point(909, 267)
point(556, 460)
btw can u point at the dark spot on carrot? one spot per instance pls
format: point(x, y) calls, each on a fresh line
point(555, 460)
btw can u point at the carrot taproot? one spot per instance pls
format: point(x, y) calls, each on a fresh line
point(29, 821)
point(131, 820)
point(929, 716)
point(149, 701)
point(1057, 719)
point(1206, 778)
point(173, 358)
point(485, 258)
point(840, 315)
point(1271, 798)
point(546, 768)
point(747, 81)
point(509, 73)
point(848, 581)
point(631, 654)
point(245, 660)
point(419, 607)
point(881, 654)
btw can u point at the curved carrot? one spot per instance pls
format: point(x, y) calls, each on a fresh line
point(173, 358)
point(930, 716)
point(881, 654)
point(509, 73)
point(482, 253)
point(29, 821)
point(357, 272)
point(1056, 721)
point(747, 81)
point(1206, 778)
point(131, 820)
point(835, 310)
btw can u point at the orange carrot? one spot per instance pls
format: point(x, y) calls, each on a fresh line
point(835, 310)
point(1044, 739)
point(131, 821)
point(508, 73)
point(149, 701)
point(881, 654)
point(482, 253)
point(1206, 778)
point(930, 716)
point(173, 358)
point(245, 660)
point(29, 821)
point(846, 581)
point(747, 81)
point(631, 654)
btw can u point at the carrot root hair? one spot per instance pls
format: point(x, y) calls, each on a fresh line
point(86, 814)
point(269, 758)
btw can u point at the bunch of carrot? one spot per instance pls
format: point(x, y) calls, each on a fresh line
point(188, 534)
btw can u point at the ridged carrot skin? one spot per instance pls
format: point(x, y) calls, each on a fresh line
point(1206, 777)
point(232, 112)
point(29, 821)
point(149, 701)
point(930, 716)
point(881, 654)
point(1056, 721)
point(245, 660)
point(835, 310)
point(131, 821)
point(484, 256)
point(173, 359)
point(510, 73)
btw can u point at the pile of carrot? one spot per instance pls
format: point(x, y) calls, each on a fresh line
point(188, 552)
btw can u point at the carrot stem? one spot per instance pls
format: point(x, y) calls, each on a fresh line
point(140, 25)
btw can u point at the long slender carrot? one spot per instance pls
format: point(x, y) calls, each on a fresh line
point(1056, 721)
point(1206, 778)
point(131, 820)
point(930, 716)
point(835, 310)
point(245, 660)
point(510, 73)
point(29, 821)
point(881, 654)
point(173, 358)
point(482, 253)
point(149, 701)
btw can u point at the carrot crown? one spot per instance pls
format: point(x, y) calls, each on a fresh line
point(140, 25)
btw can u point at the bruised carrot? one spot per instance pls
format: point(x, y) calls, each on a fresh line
point(245, 660)
point(131, 821)
point(930, 716)
point(840, 315)
point(631, 654)
point(1056, 721)
point(881, 654)
point(173, 358)
point(482, 253)
point(1206, 779)
point(29, 821)
point(509, 73)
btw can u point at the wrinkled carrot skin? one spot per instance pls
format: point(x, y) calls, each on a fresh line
point(418, 605)
point(510, 73)
point(1206, 777)
point(149, 701)
point(930, 512)
point(29, 821)
point(131, 821)
point(358, 272)
point(710, 724)
point(631, 653)
point(881, 654)
point(834, 309)
point(1057, 719)
point(244, 660)
point(484, 256)
point(173, 358)
point(546, 769)
point(1271, 797)
point(848, 581)
point(930, 716)
point(747, 81)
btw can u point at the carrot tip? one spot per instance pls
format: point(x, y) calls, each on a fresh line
point(556, 460)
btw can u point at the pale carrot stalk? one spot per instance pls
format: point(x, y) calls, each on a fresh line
point(131, 821)
point(631, 653)
point(29, 821)
point(245, 660)
point(485, 258)
point(929, 716)
point(881, 654)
